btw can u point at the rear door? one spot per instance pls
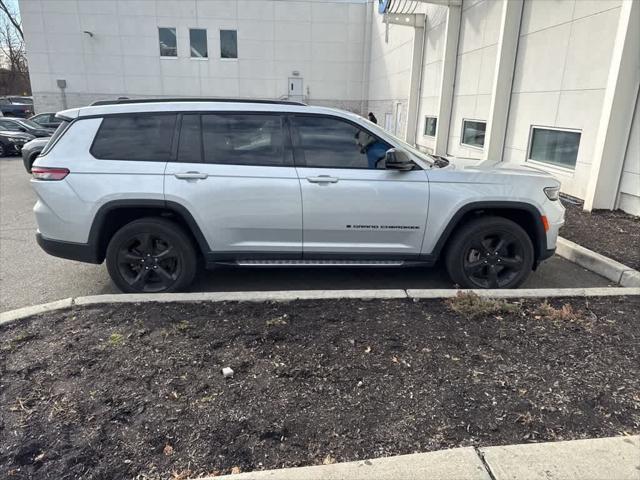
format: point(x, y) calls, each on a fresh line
point(234, 172)
point(353, 208)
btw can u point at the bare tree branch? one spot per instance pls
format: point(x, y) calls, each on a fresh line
point(12, 18)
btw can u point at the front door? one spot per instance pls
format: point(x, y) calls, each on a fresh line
point(234, 173)
point(353, 208)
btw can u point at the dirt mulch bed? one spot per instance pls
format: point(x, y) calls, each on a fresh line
point(137, 391)
point(614, 234)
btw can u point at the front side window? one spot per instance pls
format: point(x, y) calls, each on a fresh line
point(198, 42)
point(228, 44)
point(168, 42)
point(473, 133)
point(238, 139)
point(557, 147)
point(325, 142)
point(430, 124)
point(143, 137)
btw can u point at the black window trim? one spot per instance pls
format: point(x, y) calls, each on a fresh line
point(287, 152)
point(298, 155)
point(561, 168)
point(129, 114)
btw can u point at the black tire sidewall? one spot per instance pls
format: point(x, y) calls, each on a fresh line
point(480, 226)
point(162, 228)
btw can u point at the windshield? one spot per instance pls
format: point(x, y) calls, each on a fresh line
point(425, 157)
point(29, 123)
point(21, 100)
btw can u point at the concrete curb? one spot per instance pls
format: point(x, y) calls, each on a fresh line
point(286, 296)
point(608, 268)
point(590, 459)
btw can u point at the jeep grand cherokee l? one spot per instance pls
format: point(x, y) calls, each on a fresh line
point(157, 188)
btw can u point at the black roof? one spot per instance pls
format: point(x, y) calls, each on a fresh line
point(120, 101)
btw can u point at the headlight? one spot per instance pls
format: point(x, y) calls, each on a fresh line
point(16, 140)
point(552, 193)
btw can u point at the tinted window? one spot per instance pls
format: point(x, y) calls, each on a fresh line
point(244, 139)
point(190, 144)
point(473, 133)
point(557, 147)
point(332, 143)
point(135, 137)
point(228, 44)
point(168, 42)
point(198, 41)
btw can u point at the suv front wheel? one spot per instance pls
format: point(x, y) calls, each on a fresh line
point(490, 252)
point(151, 255)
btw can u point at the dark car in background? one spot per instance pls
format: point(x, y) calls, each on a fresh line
point(47, 120)
point(31, 150)
point(11, 142)
point(26, 126)
point(21, 107)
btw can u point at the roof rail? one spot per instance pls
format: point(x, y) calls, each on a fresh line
point(125, 101)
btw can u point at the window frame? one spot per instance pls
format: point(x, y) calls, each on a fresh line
point(206, 39)
point(424, 130)
point(467, 145)
point(298, 152)
point(228, 29)
point(172, 148)
point(561, 168)
point(287, 153)
point(160, 49)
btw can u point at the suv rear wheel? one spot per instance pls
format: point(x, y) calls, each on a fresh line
point(490, 252)
point(151, 255)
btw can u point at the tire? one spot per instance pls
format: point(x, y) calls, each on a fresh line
point(151, 255)
point(490, 252)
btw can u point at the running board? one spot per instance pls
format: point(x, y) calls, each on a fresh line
point(320, 263)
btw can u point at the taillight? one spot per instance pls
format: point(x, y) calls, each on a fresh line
point(48, 173)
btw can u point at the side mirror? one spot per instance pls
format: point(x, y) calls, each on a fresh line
point(398, 160)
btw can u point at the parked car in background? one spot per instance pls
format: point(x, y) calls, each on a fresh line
point(31, 150)
point(47, 120)
point(26, 126)
point(11, 143)
point(11, 107)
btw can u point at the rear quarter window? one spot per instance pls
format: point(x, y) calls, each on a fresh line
point(143, 137)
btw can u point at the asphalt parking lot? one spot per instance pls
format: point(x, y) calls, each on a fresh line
point(29, 276)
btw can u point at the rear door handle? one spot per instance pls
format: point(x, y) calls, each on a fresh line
point(190, 175)
point(322, 179)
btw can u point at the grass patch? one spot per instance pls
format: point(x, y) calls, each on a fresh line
point(470, 305)
point(566, 313)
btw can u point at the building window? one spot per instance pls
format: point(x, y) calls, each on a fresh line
point(228, 44)
point(430, 124)
point(554, 146)
point(473, 133)
point(198, 42)
point(168, 42)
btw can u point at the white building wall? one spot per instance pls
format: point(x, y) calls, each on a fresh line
point(477, 46)
point(563, 61)
point(629, 191)
point(322, 40)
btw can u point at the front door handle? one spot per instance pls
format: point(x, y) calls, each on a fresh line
point(191, 176)
point(322, 179)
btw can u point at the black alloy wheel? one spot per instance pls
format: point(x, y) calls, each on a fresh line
point(151, 255)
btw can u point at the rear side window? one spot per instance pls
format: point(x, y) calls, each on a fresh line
point(54, 138)
point(234, 139)
point(135, 137)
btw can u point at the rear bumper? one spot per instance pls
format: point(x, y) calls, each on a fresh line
point(81, 252)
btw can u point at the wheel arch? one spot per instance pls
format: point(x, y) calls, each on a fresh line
point(524, 214)
point(113, 215)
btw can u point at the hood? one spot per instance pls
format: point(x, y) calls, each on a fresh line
point(515, 168)
point(11, 134)
point(37, 142)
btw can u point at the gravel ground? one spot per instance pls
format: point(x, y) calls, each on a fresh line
point(615, 234)
point(137, 391)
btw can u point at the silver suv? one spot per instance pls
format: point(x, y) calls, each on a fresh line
point(159, 187)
